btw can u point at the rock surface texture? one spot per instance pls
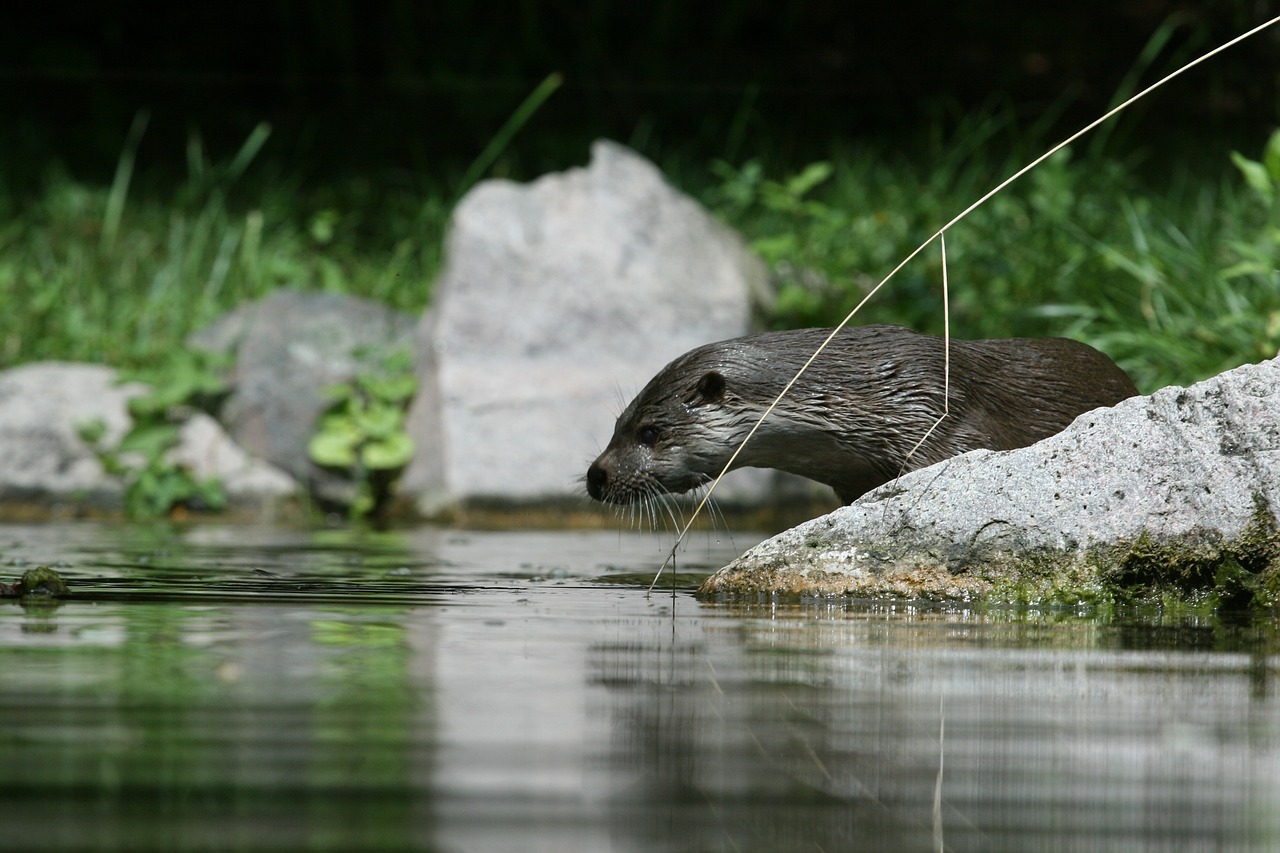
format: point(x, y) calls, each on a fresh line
point(43, 461)
point(1176, 491)
point(288, 348)
point(558, 300)
point(41, 456)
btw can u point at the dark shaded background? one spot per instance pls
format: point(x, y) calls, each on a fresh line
point(424, 86)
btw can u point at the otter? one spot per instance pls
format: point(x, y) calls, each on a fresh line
point(852, 420)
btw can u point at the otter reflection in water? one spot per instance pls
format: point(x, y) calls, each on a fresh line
point(855, 416)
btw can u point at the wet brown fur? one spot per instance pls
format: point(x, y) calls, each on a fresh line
point(852, 419)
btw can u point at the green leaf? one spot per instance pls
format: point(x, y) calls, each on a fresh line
point(323, 226)
point(333, 448)
point(211, 492)
point(151, 440)
point(364, 501)
point(395, 451)
point(776, 248)
point(1271, 158)
point(391, 389)
point(92, 430)
point(1255, 174)
point(338, 420)
point(809, 177)
point(338, 392)
point(378, 422)
point(397, 361)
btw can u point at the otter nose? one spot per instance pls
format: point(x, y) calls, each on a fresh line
point(597, 479)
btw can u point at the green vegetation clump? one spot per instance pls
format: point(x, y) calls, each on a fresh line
point(120, 273)
point(154, 484)
point(1170, 267)
point(1177, 283)
point(363, 432)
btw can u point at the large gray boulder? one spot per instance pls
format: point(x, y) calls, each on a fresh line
point(1176, 492)
point(289, 347)
point(44, 462)
point(558, 300)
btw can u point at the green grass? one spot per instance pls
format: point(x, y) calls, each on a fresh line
point(1172, 269)
point(120, 273)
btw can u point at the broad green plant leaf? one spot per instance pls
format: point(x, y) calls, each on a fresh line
point(378, 422)
point(393, 452)
point(391, 389)
point(334, 449)
point(149, 439)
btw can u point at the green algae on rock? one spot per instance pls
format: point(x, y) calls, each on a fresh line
point(40, 582)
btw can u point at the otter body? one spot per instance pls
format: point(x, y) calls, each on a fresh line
point(852, 419)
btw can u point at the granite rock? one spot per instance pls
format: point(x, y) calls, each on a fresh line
point(287, 349)
point(558, 300)
point(1156, 492)
point(44, 462)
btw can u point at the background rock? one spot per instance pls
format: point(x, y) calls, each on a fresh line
point(288, 348)
point(1159, 489)
point(208, 451)
point(43, 460)
point(41, 456)
point(559, 299)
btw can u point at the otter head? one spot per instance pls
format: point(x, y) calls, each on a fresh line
point(670, 439)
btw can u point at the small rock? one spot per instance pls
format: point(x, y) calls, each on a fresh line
point(209, 451)
point(41, 581)
point(43, 461)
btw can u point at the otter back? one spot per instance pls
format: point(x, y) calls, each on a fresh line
point(852, 420)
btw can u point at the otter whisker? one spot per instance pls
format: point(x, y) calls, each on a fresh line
point(716, 512)
point(644, 510)
point(668, 502)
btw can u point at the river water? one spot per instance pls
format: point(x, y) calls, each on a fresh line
point(244, 688)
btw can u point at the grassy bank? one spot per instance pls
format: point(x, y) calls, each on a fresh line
point(1172, 270)
point(122, 271)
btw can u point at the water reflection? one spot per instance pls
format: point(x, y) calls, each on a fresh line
point(1066, 747)
point(265, 689)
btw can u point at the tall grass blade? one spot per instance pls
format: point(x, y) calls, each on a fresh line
point(120, 183)
point(249, 150)
point(509, 129)
point(1129, 84)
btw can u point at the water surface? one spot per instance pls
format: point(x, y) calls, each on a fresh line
point(271, 689)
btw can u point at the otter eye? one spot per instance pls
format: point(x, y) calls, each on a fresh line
point(648, 435)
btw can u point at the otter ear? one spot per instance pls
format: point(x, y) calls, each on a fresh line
point(710, 388)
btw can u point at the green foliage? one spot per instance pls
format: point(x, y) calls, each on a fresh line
point(1177, 283)
point(121, 274)
point(363, 432)
point(1171, 268)
point(190, 377)
point(1199, 295)
point(1262, 177)
point(155, 485)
